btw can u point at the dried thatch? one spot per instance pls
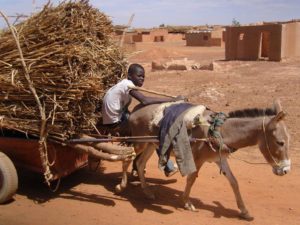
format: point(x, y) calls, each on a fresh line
point(71, 60)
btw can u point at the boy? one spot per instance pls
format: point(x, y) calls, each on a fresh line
point(117, 99)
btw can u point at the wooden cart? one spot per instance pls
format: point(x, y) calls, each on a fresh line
point(23, 153)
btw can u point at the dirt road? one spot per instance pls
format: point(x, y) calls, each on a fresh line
point(87, 197)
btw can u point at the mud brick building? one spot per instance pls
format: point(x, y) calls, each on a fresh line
point(272, 41)
point(153, 35)
point(156, 35)
point(206, 37)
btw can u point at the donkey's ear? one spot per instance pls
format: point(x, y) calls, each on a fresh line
point(277, 106)
point(279, 116)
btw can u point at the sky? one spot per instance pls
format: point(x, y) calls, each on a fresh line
point(152, 13)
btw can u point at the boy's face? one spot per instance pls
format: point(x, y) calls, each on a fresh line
point(138, 77)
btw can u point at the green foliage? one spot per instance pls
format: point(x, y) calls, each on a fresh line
point(235, 23)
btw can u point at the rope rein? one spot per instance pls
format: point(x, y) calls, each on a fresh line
point(267, 143)
point(218, 121)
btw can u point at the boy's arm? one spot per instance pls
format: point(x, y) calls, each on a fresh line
point(147, 100)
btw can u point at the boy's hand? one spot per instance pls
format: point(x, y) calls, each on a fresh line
point(180, 97)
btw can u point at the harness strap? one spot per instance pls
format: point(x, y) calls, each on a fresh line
point(267, 143)
point(218, 120)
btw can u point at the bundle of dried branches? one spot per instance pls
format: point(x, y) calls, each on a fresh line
point(71, 61)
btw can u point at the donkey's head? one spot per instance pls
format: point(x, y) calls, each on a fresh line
point(274, 141)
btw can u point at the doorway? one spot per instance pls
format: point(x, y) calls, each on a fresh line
point(264, 47)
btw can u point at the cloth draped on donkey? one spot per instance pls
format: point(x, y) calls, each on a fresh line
point(174, 133)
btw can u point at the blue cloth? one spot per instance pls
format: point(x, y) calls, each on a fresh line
point(169, 166)
point(170, 115)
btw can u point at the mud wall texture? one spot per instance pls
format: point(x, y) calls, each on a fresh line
point(202, 39)
point(272, 42)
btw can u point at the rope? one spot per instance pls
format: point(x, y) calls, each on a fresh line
point(248, 162)
point(218, 120)
point(267, 143)
point(54, 158)
point(56, 186)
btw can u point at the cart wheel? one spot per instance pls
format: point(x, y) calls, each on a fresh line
point(8, 178)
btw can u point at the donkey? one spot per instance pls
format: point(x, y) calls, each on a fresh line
point(248, 127)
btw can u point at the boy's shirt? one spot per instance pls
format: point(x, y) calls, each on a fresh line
point(115, 101)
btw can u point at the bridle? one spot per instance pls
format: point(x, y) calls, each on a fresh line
point(267, 143)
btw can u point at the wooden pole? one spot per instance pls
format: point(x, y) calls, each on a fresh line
point(108, 147)
point(125, 29)
point(101, 155)
point(150, 91)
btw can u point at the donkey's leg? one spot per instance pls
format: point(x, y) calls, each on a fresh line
point(224, 166)
point(190, 180)
point(141, 164)
point(120, 187)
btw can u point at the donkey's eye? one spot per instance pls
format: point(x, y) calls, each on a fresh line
point(281, 143)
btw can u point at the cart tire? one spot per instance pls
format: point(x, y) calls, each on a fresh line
point(8, 178)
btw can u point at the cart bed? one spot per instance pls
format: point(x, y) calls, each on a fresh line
point(25, 154)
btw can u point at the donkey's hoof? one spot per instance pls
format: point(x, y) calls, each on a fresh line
point(246, 216)
point(119, 189)
point(189, 206)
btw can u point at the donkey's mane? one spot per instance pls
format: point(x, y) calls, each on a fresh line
point(254, 112)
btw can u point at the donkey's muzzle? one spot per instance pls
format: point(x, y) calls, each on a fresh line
point(283, 168)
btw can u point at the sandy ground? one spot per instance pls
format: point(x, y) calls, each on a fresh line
point(87, 197)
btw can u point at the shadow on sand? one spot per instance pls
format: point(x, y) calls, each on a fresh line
point(33, 187)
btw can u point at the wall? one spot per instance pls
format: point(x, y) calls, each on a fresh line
point(198, 39)
point(137, 38)
point(158, 35)
point(291, 39)
point(203, 39)
point(159, 32)
point(142, 37)
point(218, 37)
point(147, 38)
point(175, 37)
point(128, 39)
point(151, 36)
point(245, 42)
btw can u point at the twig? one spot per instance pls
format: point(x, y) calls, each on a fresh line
point(43, 131)
point(6, 63)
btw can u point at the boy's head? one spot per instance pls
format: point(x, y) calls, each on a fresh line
point(136, 74)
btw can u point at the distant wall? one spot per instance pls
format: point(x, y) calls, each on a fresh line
point(147, 38)
point(142, 37)
point(159, 32)
point(137, 38)
point(128, 39)
point(175, 37)
point(155, 35)
point(203, 39)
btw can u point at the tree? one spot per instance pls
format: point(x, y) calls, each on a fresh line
point(235, 23)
